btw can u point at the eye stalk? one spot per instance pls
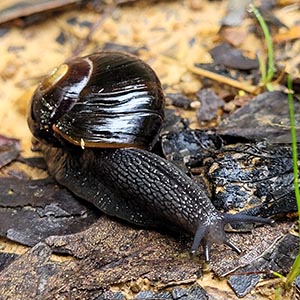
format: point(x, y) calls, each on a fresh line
point(214, 232)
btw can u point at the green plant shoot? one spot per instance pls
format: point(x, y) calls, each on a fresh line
point(267, 75)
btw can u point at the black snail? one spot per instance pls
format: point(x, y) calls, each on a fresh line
point(96, 118)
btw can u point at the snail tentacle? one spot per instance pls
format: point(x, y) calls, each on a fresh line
point(242, 218)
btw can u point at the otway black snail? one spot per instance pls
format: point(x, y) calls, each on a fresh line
point(96, 118)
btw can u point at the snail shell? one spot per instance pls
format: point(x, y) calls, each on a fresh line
point(103, 100)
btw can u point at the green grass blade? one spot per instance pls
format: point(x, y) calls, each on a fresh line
point(264, 27)
point(262, 68)
point(295, 270)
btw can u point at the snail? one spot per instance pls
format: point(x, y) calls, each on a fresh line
point(96, 119)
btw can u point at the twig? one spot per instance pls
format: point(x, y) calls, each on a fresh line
point(225, 80)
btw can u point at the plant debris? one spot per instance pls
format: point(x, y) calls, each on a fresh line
point(233, 58)
point(31, 210)
point(9, 150)
point(266, 117)
point(210, 103)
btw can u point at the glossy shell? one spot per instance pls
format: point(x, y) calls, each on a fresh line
point(106, 99)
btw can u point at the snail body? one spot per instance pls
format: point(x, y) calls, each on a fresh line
point(81, 114)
